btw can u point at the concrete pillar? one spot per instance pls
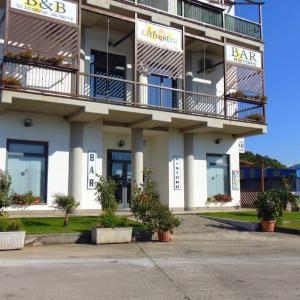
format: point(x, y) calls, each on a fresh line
point(75, 162)
point(189, 171)
point(143, 89)
point(137, 145)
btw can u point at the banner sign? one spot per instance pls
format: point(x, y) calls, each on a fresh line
point(91, 170)
point(158, 35)
point(57, 9)
point(243, 56)
point(177, 173)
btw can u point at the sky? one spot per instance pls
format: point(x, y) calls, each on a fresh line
point(282, 74)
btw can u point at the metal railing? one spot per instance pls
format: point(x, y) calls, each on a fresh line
point(119, 91)
point(243, 26)
point(200, 13)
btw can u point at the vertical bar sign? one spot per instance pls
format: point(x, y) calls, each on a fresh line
point(91, 170)
point(177, 173)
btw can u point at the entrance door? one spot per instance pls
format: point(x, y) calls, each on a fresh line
point(119, 169)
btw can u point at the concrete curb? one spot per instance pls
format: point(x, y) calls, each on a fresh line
point(249, 226)
point(138, 234)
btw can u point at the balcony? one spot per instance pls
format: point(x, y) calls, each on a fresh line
point(208, 12)
point(22, 76)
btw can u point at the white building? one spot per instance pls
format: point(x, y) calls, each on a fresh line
point(122, 85)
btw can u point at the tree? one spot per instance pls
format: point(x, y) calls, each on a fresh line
point(65, 203)
point(259, 160)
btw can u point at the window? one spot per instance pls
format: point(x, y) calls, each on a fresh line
point(27, 166)
point(111, 65)
point(217, 174)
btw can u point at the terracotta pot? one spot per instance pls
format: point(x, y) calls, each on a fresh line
point(268, 226)
point(164, 236)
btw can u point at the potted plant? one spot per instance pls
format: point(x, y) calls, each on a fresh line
point(111, 228)
point(146, 208)
point(219, 198)
point(66, 204)
point(269, 206)
point(11, 235)
point(256, 117)
point(165, 223)
point(11, 81)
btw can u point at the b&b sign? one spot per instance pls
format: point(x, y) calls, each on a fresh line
point(57, 9)
point(91, 170)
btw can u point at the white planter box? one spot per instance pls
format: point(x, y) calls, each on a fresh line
point(12, 240)
point(111, 235)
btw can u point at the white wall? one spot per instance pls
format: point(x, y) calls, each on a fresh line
point(205, 144)
point(52, 129)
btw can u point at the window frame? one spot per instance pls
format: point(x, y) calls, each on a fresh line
point(228, 159)
point(27, 154)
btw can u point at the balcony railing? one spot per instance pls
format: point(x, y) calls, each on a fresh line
point(118, 91)
point(243, 26)
point(203, 14)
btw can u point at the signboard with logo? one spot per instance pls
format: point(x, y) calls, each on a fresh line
point(160, 36)
point(243, 56)
point(57, 9)
point(177, 173)
point(91, 170)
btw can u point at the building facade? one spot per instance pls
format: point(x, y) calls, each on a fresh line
point(111, 87)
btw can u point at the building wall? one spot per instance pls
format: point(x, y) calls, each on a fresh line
point(46, 128)
point(205, 144)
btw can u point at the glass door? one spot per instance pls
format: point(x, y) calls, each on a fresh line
point(110, 65)
point(119, 169)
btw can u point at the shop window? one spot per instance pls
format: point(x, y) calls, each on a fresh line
point(217, 174)
point(27, 166)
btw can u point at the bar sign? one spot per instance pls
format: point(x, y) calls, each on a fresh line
point(177, 173)
point(91, 170)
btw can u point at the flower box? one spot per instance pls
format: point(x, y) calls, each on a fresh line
point(12, 240)
point(111, 235)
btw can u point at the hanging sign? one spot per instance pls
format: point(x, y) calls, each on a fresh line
point(243, 56)
point(158, 35)
point(177, 173)
point(91, 170)
point(57, 9)
point(242, 145)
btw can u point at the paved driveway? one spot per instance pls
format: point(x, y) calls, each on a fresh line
point(205, 261)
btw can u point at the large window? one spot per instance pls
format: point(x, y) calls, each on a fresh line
point(217, 174)
point(27, 166)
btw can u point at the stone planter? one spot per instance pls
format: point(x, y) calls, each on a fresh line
point(111, 235)
point(12, 240)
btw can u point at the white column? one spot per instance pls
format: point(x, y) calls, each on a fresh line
point(143, 89)
point(137, 145)
point(189, 171)
point(75, 162)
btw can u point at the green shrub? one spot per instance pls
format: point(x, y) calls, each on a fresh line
point(146, 207)
point(106, 193)
point(270, 204)
point(10, 225)
point(5, 184)
point(110, 220)
point(65, 203)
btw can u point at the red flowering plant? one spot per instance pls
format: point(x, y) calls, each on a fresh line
point(219, 198)
point(23, 199)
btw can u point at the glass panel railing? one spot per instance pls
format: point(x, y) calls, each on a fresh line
point(243, 26)
point(159, 4)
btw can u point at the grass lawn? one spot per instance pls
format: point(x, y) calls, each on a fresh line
point(293, 218)
point(55, 224)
